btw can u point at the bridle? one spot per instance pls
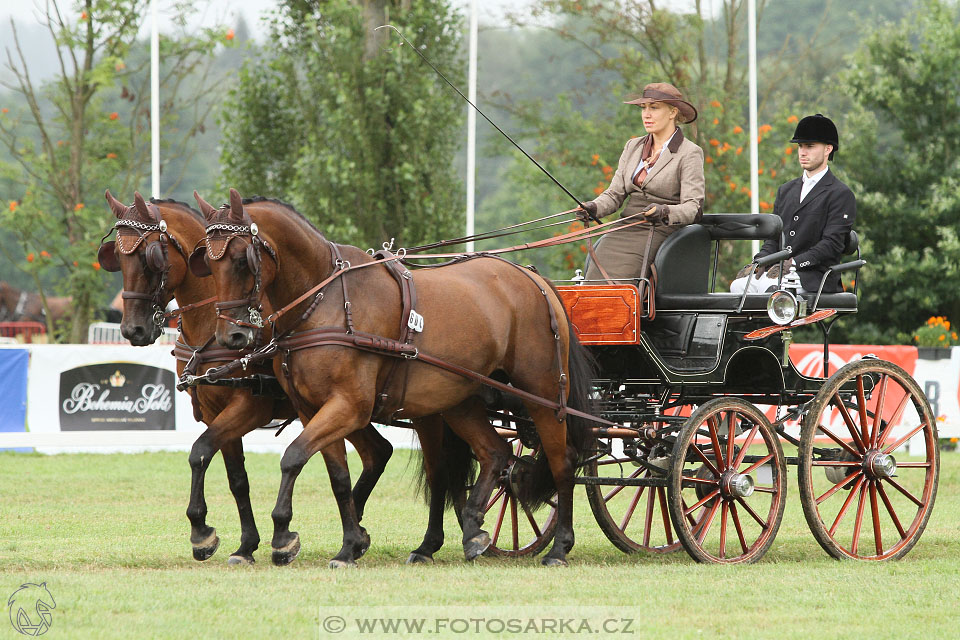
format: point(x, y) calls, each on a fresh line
point(253, 254)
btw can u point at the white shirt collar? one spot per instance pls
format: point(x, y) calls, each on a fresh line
point(815, 178)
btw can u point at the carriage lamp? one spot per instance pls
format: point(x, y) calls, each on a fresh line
point(784, 307)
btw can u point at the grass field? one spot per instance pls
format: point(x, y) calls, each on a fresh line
point(108, 535)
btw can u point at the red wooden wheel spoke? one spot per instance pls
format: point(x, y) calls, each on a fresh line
point(514, 523)
point(832, 490)
point(496, 530)
point(629, 513)
point(620, 487)
point(764, 489)
point(648, 521)
point(708, 520)
point(707, 462)
point(494, 499)
point(878, 412)
point(894, 419)
point(531, 520)
point(713, 494)
point(861, 503)
point(913, 432)
point(851, 427)
point(844, 445)
point(756, 465)
point(913, 465)
point(846, 505)
point(687, 479)
point(753, 513)
point(715, 441)
point(662, 495)
point(746, 445)
point(736, 524)
point(688, 513)
point(898, 487)
point(875, 511)
point(862, 411)
point(891, 511)
point(723, 530)
point(731, 433)
point(835, 463)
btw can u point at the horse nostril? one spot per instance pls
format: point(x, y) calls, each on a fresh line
point(238, 339)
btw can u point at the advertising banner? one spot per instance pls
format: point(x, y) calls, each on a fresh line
point(13, 398)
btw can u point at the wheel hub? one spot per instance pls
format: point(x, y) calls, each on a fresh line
point(736, 485)
point(879, 465)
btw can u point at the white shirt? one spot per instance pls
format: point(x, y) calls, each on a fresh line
point(809, 182)
point(643, 163)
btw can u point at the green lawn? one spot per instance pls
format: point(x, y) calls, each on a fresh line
point(109, 537)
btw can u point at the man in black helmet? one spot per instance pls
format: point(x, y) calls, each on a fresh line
point(817, 212)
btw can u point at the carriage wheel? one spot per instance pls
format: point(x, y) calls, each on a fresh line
point(859, 500)
point(726, 496)
point(516, 530)
point(633, 518)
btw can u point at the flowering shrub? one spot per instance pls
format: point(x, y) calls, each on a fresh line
point(936, 333)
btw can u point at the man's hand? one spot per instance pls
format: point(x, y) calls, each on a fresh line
point(658, 213)
point(587, 212)
point(774, 271)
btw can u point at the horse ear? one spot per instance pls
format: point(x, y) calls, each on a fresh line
point(236, 205)
point(107, 256)
point(198, 264)
point(141, 206)
point(206, 208)
point(118, 208)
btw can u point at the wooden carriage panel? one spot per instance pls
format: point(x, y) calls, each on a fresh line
point(603, 313)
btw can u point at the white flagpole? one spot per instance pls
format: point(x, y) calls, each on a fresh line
point(754, 129)
point(154, 101)
point(472, 123)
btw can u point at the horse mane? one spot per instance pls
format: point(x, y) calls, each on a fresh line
point(285, 205)
point(182, 205)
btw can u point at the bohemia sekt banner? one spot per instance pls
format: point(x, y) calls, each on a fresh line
point(116, 395)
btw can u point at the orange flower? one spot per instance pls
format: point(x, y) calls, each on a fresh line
point(725, 147)
point(773, 173)
point(596, 159)
point(733, 186)
point(83, 15)
point(953, 335)
point(30, 257)
point(788, 151)
point(942, 337)
point(716, 121)
point(739, 150)
point(765, 128)
point(76, 264)
point(709, 160)
point(792, 119)
point(598, 190)
point(13, 206)
point(4, 110)
point(765, 205)
point(44, 254)
point(607, 169)
point(714, 142)
point(229, 35)
point(59, 143)
point(759, 172)
point(95, 265)
point(715, 103)
point(114, 115)
point(79, 206)
point(111, 156)
point(120, 66)
point(738, 129)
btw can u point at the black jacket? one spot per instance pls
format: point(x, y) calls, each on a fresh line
point(816, 229)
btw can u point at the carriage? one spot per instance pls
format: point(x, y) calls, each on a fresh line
point(707, 398)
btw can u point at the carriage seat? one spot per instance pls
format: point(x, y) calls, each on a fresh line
point(683, 265)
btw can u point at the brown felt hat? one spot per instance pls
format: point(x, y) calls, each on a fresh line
point(668, 94)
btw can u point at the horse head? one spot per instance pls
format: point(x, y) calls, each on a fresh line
point(242, 262)
point(147, 255)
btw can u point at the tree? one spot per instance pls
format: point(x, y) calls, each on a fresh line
point(347, 124)
point(87, 128)
point(906, 170)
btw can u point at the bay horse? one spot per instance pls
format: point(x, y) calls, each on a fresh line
point(151, 250)
point(485, 315)
point(20, 306)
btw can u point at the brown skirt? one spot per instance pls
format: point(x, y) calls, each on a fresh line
point(621, 251)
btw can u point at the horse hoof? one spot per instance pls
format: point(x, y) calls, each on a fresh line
point(419, 558)
point(237, 560)
point(342, 564)
point(553, 562)
point(363, 547)
point(285, 555)
point(205, 550)
point(475, 546)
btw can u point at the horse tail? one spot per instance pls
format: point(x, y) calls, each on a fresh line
point(457, 469)
point(538, 486)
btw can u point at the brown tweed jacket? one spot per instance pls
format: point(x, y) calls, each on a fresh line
point(675, 180)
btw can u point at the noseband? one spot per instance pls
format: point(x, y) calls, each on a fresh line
point(253, 254)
